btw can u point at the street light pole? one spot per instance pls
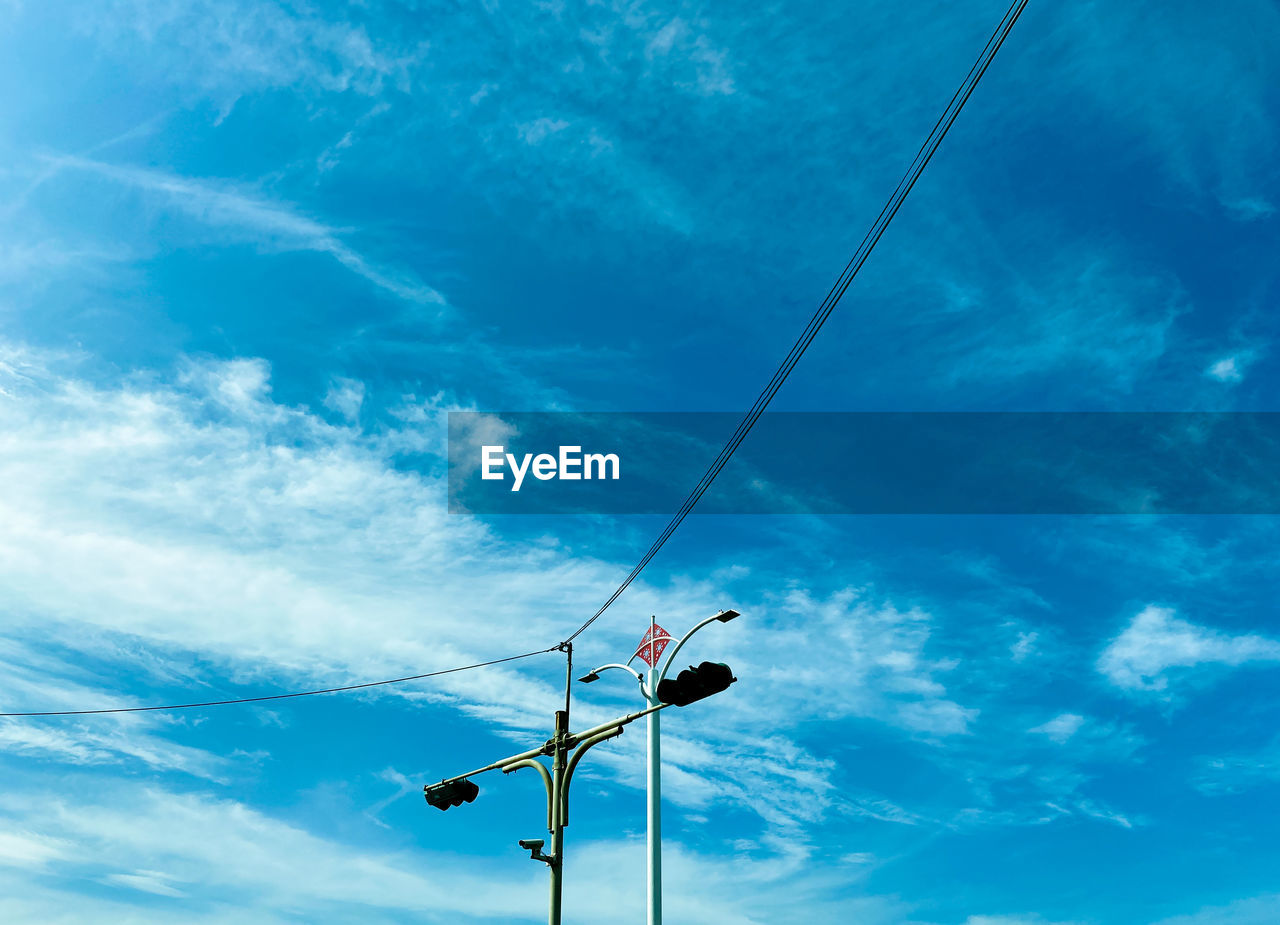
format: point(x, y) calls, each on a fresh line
point(558, 795)
point(653, 778)
point(559, 792)
point(649, 683)
point(565, 749)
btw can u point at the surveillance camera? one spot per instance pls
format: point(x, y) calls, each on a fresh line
point(531, 844)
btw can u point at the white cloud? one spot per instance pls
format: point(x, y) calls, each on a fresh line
point(1231, 369)
point(576, 159)
point(1096, 810)
point(345, 396)
point(1088, 313)
point(233, 47)
point(1238, 772)
point(207, 517)
point(937, 718)
point(227, 859)
point(873, 661)
point(28, 849)
point(204, 517)
point(270, 224)
point(22, 260)
point(538, 130)
point(35, 679)
point(1091, 740)
point(1249, 208)
point(1226, 370)
point(83, 744)
point(147, 881)
point(242, 383)
point(1255, 910)
point(1024, 647)
point(1061, 727)
point(691, 60)
point(1157, 645)
point(1219, 152)
point(173, 844)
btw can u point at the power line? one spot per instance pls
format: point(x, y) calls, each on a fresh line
point(327, 690)
point(869, 241)
point(819, 318)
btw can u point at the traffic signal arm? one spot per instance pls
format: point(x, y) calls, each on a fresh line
point(577, 737)
point(445, 791)
point(501, 763)
point(524, 759)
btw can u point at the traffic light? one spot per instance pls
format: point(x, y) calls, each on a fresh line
point(453, 793)
point(695, 683)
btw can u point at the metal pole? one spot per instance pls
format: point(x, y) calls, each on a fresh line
point(558, 747)
point(558, 792)
point(653, 771)
point(568, 677)
point(557, 801)
point(655, 806)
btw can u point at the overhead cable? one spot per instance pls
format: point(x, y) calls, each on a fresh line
point(819, 318)
point(327, 690)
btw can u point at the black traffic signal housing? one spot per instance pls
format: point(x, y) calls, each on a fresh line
point(695, 683)
point(453, 793)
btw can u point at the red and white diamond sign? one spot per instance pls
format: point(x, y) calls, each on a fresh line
point(653, 644)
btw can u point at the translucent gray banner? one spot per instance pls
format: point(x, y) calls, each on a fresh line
point(868, 463)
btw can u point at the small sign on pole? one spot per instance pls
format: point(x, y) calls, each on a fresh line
point(653, 645)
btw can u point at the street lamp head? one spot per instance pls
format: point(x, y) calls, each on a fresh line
point(589, 677)
point(725, 616)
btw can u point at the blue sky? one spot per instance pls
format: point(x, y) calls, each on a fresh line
point(253, 251)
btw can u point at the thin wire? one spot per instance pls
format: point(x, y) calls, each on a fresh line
point(824, 310)
point(327, 690)
point(869, 241)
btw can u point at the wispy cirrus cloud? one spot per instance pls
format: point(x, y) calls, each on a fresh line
point(234, 47)
point(231, 862)
point(271, 225)
point(23, 260)
point(1237, 772)
point(104, 743)
point(1085, 316)
point(153, 510)
point(150, 512)
point(29, 850)
point(35, 673)
point(1062, 727)
point(193, 521)
point(1203, 107)
point(1087, 739)
point(1254, 910)
point(172, 844)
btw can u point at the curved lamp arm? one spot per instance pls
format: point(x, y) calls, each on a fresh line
point(723, 616)
point(546, 780)
point(594, 675)
point(573, 763)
